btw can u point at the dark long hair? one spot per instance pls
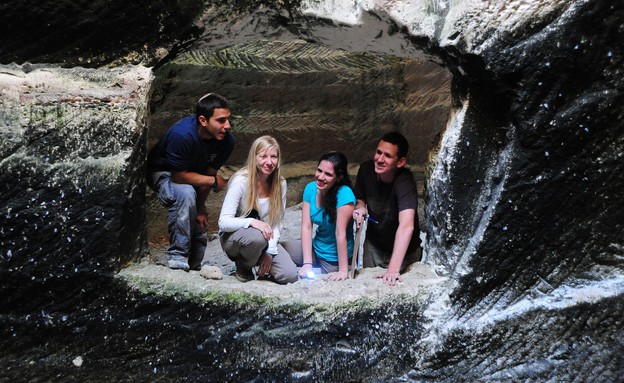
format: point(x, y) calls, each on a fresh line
point(340, 163)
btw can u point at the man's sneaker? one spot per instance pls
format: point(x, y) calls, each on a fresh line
point(195, 262)
point(244, 275)
point(195, 266)
point(177, 262)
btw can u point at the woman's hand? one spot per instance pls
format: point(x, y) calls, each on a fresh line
point(264, 264)
point(265, 228)
point(338, 276)
point(303, 271)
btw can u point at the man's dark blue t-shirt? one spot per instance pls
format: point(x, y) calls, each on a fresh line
point(181, 149)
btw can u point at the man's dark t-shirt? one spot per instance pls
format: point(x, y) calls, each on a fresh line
point(384, 202)
point(181, 149)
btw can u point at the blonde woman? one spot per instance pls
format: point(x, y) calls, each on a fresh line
point(252, 216)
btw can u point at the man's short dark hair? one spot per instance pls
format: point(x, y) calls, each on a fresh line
point(399, 140)
point(208, 103)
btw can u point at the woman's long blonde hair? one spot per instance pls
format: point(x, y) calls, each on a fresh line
point(276, 206)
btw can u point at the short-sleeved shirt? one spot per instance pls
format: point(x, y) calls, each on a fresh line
point(182, 149)
point(384, 202)
point(324, 242)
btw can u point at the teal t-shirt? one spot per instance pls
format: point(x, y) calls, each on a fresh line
point(324, 242)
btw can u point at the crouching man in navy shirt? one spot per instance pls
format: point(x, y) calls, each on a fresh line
point(182, 170)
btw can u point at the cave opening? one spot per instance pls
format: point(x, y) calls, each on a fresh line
point(312, 99)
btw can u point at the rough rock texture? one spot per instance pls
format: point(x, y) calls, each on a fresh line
point(93, 34)
point(311, 98)
point(533, 234)
point(524, 225)
point(72, 152)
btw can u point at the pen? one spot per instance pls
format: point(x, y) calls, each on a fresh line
point(368, 217)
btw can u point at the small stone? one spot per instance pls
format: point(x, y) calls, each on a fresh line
point(77, 361)
point(211, 272)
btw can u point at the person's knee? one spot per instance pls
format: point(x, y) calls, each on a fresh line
point(374, 256)
point(250, 247)
point(293, 248)
point(255, 239)
point(367, 260)
point(185, 194)
point(285, 276)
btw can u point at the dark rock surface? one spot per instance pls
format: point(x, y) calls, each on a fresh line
point(94, 34)
point(73, 143)
point(524, 219)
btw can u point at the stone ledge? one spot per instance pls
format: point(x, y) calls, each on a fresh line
point(149, 277)
point(417, 285)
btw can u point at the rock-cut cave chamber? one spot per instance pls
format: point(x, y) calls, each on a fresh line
point(312, 99)
point(521, 177)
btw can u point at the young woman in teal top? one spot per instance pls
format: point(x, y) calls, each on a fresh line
point(328, 202)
